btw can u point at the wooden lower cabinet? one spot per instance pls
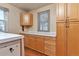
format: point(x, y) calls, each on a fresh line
point(73, 39)
point(39, 44)
point(61, 39)
point(29, 42)
point(67, 39)
point(50, 46)
point(43, 44)
point(33, 42)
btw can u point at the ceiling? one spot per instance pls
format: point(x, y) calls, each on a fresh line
point(29, 6)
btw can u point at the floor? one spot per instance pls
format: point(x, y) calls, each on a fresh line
point(30, 52)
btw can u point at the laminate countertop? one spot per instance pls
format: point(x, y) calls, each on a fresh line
point(6, 37)
point(52, 34)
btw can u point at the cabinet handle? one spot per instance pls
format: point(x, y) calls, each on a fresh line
point(11, 50)
point(67, 23)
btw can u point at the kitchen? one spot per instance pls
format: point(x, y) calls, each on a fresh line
point(39, 29)
point(16, 24)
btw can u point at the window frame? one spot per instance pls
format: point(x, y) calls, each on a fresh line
point(4, 25)
point(4, 21)
point(48, 21)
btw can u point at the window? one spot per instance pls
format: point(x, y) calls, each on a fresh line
point(3, 18)
point(43, 21)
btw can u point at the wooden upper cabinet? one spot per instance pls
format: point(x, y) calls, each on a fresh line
point(68, 11)
point(73, 11)
point(26, 19)
point(61, 12)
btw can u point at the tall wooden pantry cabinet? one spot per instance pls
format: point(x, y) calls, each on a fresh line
point(68, 29)
point(61, 30)
point(73, 29)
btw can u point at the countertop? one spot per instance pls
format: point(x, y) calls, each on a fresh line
point(6, 37)
point(52, 34)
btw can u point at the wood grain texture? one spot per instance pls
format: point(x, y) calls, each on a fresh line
point(30, 52)
point(67, 31)
point(73, 30)
point(61, 12)
point(22, 47)
point(73, 39)
point(61, 39)
point(50, 46)
point(42, 44)
point(73, 11)
point(26, 19)
point(61, 30)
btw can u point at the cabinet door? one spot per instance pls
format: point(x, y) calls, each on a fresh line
point(29, 41)
point(26, 19)
point(26, 41)
point(39, 44)
point(61, 29)
point(73, 11)
point(61, 12)
point(73, 39)
point(34, 42)
point(61, 39)
point(50, 46)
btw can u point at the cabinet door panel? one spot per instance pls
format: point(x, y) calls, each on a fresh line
point(61, 12)
point(26, 19)
point(67, 38)
point(61, 39)
point(32, 43)
point(26, 41)
point(47, 52)
point(73, 11)
point(40, 44)
point(29, 41)
point(73, 39)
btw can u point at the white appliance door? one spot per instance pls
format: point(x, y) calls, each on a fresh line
point(11, 50)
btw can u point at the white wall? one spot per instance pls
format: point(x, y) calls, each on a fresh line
point(13, 24)
point(52, 8)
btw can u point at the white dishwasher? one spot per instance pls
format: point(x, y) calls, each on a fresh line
point(10, 48)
